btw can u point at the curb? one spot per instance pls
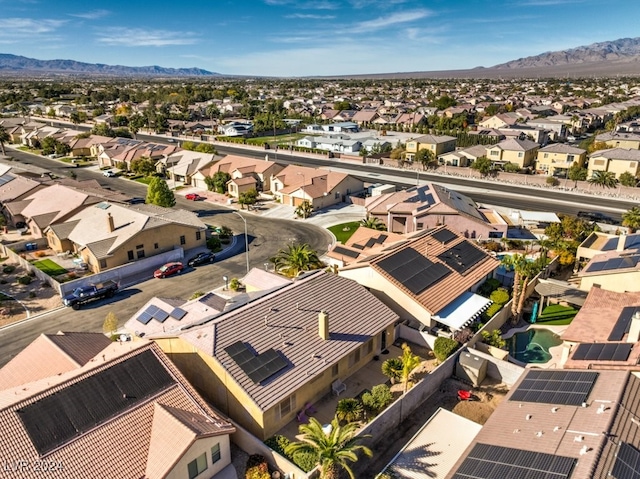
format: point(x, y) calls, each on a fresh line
point(30, 318)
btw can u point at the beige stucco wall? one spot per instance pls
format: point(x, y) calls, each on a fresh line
point(619, 282)
point(203, 446)
point(548, 161)
point(614, 166)
point(622, 143)
point(520, 158)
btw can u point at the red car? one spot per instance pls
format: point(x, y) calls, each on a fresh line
point(168, 270)
point(193, 197)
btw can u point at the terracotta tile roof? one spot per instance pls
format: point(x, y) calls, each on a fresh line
point(287, 321)
point(364, 242)
point(121, 439)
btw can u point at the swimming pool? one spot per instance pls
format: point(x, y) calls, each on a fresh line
point(532, 346)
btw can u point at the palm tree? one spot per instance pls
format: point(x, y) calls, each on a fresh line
point(606, 179)
point(4, 138)
point(334, 450)
point(631, 219)
point(392, 368)
point(304, 209)
point(373, 223)
point(296, 258)
point(409, 362)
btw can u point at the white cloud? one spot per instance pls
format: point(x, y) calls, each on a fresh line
point(310, 16)
point(371, 4)
point(306, 5)
point(390, 20)
point(138, 37)
point(92, 15)
point(28, 26)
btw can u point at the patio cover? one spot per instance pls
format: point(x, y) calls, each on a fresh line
point(462, 311)
point(538, 217)
point(552, 288)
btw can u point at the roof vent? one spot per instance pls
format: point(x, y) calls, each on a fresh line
point(539, 434)
point(554, 409)
point(602, 408)
point(516, 431)
point(556, 429)
point(578, 439)
point(528, 417)
point(585, 449)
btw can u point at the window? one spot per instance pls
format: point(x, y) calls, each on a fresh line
point(334, 370)
point(139, 246)
point(156, 246)
point(546, 155)
point(520, 154)
point(370, 346)
point(494, 153)
point(140, 253)
point(103, 263)
point(198, 235)
point(354, 358)
point(420, 226)
point(287, 405)
point(570, 158)
point(215, 453)
point(183, 240)
point(197, 466)
point(130, 255)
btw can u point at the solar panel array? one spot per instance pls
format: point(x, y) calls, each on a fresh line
point(444, 236)
point(496, 462)
point(159, 314)
point(259, 367)
point(614, 263)
point(413, 270)
point(570, 388)
point(374, 241)
point(462, 256)
point(627, 465)
point(602, 352)
point(178, 313)
point(6, 178)
point(70, 412)
point(623, 323)
point(346, 252)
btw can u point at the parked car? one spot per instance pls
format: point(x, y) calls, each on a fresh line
point(136, 200)
point(202, 258)
point(109, 173)
point(596, 216)
point(168, 269)
point(194, 197)
point(85, 294)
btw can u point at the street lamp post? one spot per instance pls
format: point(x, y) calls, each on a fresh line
point(226, 282)
point(304, 195)
point(246, 239)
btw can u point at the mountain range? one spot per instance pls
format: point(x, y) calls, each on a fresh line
point(613, 58)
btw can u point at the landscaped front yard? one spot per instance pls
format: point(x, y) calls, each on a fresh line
point(557, 315)
point(50, 267)
point(344, 231)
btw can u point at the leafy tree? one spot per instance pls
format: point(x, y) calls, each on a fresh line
point(206, 148)
point(110, 324)
point(188, 145)
point(409, 362)
point(143, 166)
point(576, 173)
point(627, 179)
point(342, 105)
point(511, 167)
point(363, 153)
point(136, 123)
point(248, 197)
point(392, 368)
point(378, 399)
point(218, 182)
point(444, 102)
point(332, 451)
point(296, 258)
point(596, 146)
point(426, 158)
point(50, 145)
point(349, 410)
point(606, 179)
point(373, 223)
point(483, 165)
point(304, 209)
point(397, 152)
point(103, 129)
point(158, 193)
point(4, 138)
point(631, 219)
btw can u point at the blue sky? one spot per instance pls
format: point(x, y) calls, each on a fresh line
point(309, 37)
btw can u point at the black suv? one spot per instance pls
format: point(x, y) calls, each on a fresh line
point(202, 258)
point(596, 216)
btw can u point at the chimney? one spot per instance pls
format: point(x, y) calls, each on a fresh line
point(622, 240)
point(323, 325)
point(634, 327)
point(110, 224)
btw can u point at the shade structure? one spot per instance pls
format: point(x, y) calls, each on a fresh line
point(462, 311)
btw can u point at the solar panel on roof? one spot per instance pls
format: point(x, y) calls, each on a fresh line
point(413, 270)
point(596, 266)
point(6, 178)
point(602, 352)
point(623, 323)
point(462, 256)
point(161, 315)
point(444, 236)
point(257, 368)
point(60, 417)
point(627, 464)
point(144, 317)
point(178, 313)
point(496, 462)
point(569, 388)
point(346, 252)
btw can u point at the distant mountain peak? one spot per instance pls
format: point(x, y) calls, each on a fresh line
point(15, 64)
point(624, 50)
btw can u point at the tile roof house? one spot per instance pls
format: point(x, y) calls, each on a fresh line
point(128, 406)
point(617, 139)
point(295, 184)
point(428, 279)
point(82, 146)
point(364, 242)
point(261, 362)
point(616, 269)
point(501, 120)
point(438, 144)
point(246, 173)
point(605, 332)
point(107, 235)
point(562, 425)
point(430, 205)
point(14, 187)
point(615, 160)
point(557, 158)
point(600, 242)
point(182, 165)
point(520, 152)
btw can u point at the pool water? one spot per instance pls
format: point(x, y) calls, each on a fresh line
point(533, 346)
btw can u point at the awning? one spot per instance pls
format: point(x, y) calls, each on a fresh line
point(462, 311)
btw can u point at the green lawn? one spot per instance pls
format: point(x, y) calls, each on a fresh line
point(344, 231)
point(557, 315)
point(50, 267)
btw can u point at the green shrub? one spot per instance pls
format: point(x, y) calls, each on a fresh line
point(25, 280)
point(444, 347)
point(278, 443)
point(257, 467)
point(392, 368)
point(492, 246)
point(305, 460)
point(196, 295)
point(349, 410)
point(378, 399)
point(488, 287)
point(214, 244)
point(8, 269)
point(491, 311)
point(235, 284)
point(494, 338)
point(552, 181)
point(500, 296)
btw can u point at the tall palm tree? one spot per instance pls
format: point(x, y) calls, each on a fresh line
point(606, 179)
point(4, 138)
point(333, 450)
point(631, 219)
point(296, 258)
point(373, 223)
point(409, 362)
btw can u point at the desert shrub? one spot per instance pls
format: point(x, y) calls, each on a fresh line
point(378, 399)
point(463, 335)
point(278, 443)
point(444, 347)
point(8, 269)
point(40, 254)
point(305, 460)
point(552, 181)
point(500, 296)
point(349, 410)
point(488, 287)
point(494, 338)
point(235, 284)
point(25, 279)
point(257, 467)
point(491, 311)
point(196, 295)
point(492, 246)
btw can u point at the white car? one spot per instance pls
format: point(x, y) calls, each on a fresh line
point(109, 173)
